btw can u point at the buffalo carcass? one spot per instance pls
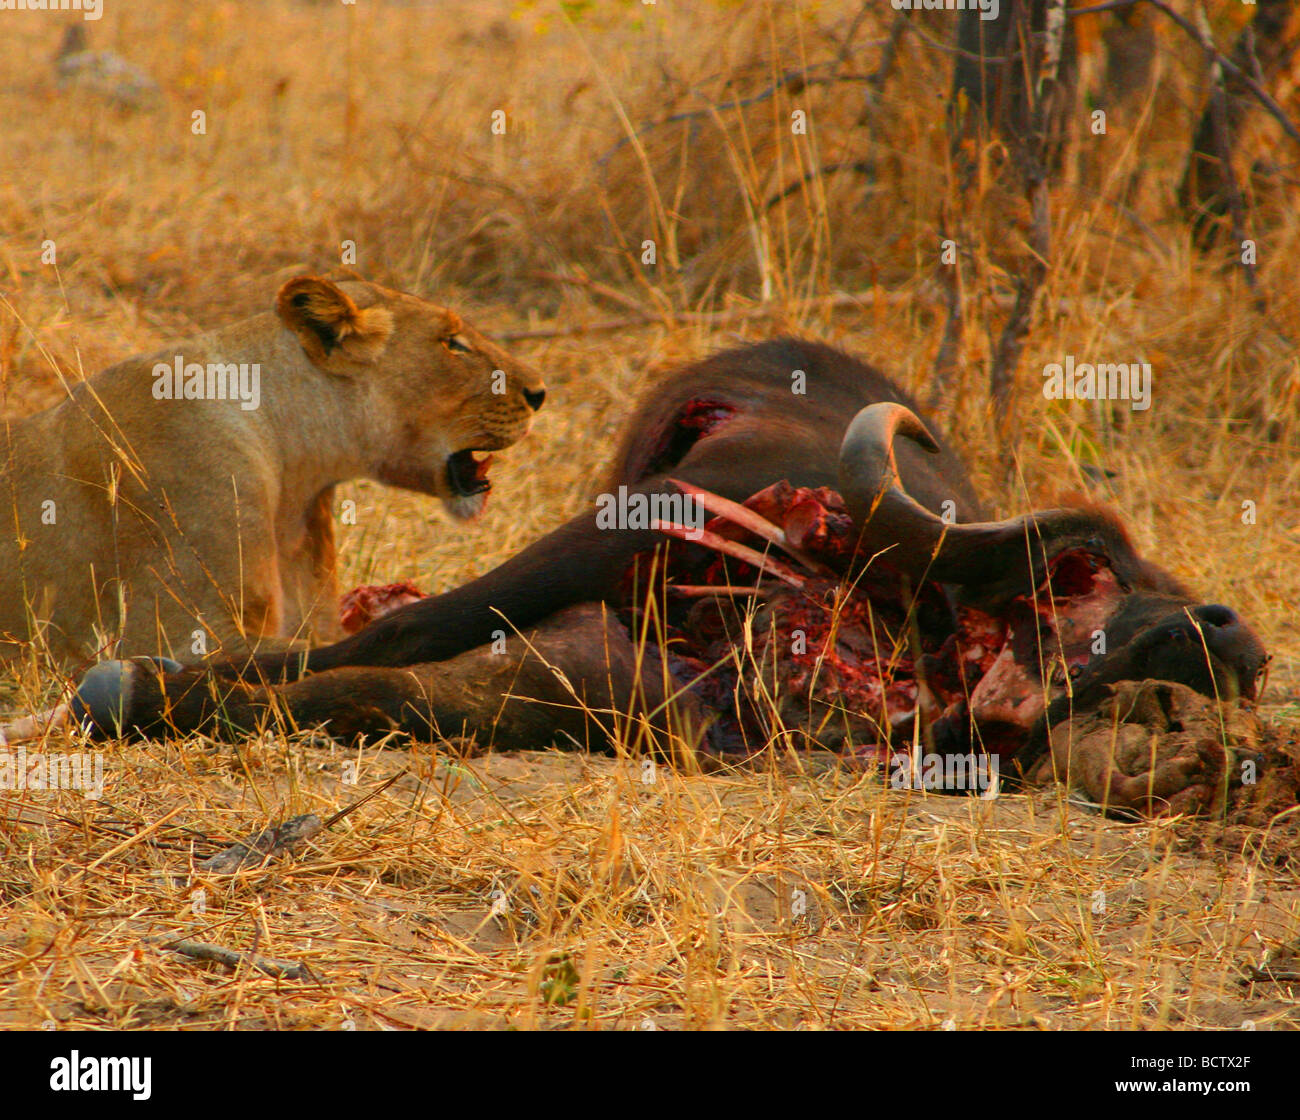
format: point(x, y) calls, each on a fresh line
point(846, 593)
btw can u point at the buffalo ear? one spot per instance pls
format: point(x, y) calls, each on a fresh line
point(329, 325)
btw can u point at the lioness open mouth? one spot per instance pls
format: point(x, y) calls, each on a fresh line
point(467, 473)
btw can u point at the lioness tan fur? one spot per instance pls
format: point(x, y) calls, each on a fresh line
point(138, 524)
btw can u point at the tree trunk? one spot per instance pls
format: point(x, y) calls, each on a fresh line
point(992, 87)
point(1263, 50)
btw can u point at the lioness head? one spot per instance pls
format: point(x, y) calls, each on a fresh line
point(438, 396)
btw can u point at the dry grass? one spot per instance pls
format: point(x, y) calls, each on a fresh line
point(674, 902)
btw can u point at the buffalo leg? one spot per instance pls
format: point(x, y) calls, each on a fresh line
point(576, 680)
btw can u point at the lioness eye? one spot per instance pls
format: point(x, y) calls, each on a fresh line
point(457, 345)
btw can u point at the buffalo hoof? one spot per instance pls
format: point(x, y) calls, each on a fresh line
point(102, 704)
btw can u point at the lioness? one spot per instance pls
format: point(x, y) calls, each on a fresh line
point(186, 495)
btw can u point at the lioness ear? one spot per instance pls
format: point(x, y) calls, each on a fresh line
point(327, 321)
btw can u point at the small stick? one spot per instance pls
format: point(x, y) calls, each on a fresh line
point(268, 842)
point(268, 966)
point(1268, 975)
point(283, 837)
point(333, 820)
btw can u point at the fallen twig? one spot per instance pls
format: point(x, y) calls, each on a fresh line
point(267, 843)
point(231, 958)
point(282, 838)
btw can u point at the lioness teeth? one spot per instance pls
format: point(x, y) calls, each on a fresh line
point(468, 473)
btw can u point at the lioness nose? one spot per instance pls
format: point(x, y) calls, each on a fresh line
point(534, 397)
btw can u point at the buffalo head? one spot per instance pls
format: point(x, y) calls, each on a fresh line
point(1083, 610)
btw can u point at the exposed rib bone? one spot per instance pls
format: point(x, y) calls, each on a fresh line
point(746, 518)
point(702, 590)
point(731, 548)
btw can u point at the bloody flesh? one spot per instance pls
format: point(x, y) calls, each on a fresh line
point(834, 663)
point(696, 419)
point(362, 605)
